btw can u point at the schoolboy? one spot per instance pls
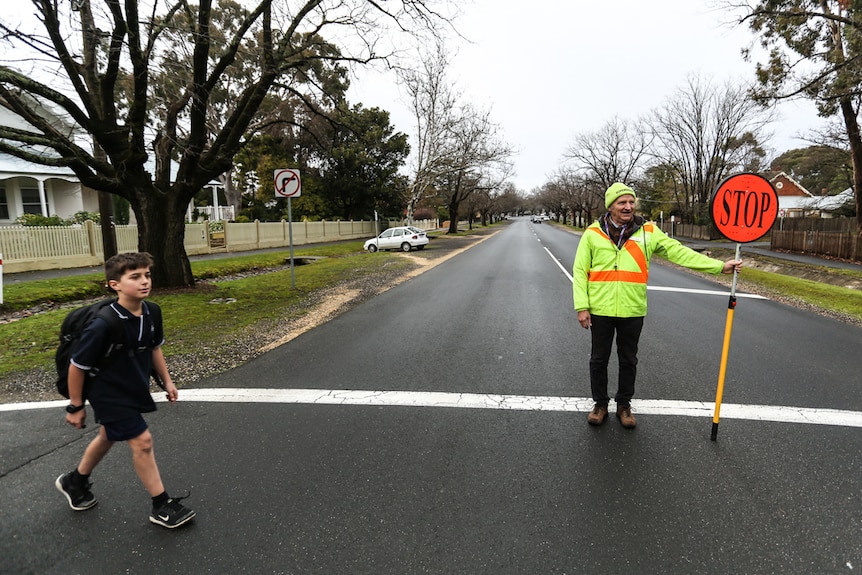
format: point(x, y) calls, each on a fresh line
point(119, 390)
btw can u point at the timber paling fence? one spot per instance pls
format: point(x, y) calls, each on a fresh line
point(843, 245)
point(30, 248)
point(692, 231)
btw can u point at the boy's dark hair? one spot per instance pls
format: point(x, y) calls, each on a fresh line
point(119, 264)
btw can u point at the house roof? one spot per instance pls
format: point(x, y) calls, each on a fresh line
point(793, 189)
point(794, 202)
point(11, 167)
point(829, 203)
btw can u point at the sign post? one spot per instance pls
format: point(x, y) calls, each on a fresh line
point(289, 185)
point(743, 208)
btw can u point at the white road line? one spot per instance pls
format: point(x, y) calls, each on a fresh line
point(556, 261)
point(431, 399)
point(670, 289)
point(705, 292)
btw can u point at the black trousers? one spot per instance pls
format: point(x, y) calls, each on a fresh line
point(628, 333)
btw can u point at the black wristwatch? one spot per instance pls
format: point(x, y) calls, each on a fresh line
point(74, 408)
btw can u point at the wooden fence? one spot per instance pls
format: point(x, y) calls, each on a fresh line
point(29, 248)
point(695, 232)
point(844, 245)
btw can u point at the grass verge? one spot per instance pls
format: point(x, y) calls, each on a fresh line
point(195, 318)
point(840, 300)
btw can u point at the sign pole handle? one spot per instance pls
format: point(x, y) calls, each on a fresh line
point(290, 235)
point(725, 349)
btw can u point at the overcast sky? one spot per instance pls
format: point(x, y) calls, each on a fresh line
point(549, 69)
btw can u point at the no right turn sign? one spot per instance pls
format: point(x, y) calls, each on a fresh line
point(287, 183)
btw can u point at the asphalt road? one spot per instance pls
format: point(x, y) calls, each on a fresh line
point(463, 447)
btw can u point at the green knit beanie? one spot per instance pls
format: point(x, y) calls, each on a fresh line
point(616, 190)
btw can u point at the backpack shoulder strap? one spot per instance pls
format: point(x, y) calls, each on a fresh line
point(116, 333)
point(115, 323)
point(156, 317)
point(155, 314)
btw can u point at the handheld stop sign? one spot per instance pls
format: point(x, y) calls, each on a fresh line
point(743, 208)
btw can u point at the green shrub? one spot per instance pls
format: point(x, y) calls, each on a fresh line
point(40, 220)
point(81, 217)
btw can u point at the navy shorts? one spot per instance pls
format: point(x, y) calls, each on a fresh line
point(125, 429)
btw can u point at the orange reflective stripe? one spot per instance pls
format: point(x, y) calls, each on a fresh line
point(638, 256)
point(618, 276)
point(599, 231)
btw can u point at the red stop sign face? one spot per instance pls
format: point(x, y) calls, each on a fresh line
point(744, 207)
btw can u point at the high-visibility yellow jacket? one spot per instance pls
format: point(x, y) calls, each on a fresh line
point(612, 281)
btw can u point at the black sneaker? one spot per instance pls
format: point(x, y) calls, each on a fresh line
point(171, 514)
point(80, 498)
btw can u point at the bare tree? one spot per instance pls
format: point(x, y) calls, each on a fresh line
point(432, 101)
point(96, 70)
point(707, 133)
point(476, 205)
point(477, 159)
point(615, 153)
point(509, 200)
point(569, 194)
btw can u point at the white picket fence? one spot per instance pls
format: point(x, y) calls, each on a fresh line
point(30, 248)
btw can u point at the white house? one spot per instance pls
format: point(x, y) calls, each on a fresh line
point(794, 201)
point(792, 196)
point(28, 188)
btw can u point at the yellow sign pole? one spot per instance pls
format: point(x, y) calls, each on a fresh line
point(728, 328)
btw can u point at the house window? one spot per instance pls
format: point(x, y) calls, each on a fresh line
point(4, 205)
point(30, 201)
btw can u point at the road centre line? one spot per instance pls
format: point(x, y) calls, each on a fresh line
point(670, 289)
point(431, 399)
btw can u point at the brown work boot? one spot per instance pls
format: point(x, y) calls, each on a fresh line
point(624, 414)
point(598, 415)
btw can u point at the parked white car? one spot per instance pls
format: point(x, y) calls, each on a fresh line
point(401, 238)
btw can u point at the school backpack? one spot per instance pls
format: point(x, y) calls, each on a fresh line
point(74, 325)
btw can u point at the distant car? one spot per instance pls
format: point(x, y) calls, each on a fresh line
point(401, 238)
point(536, 219)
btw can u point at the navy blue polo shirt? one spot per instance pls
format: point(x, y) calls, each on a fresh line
point(120, 387)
